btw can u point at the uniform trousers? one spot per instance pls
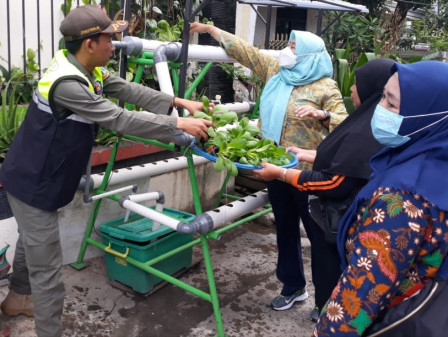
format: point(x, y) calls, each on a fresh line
point(37, 265)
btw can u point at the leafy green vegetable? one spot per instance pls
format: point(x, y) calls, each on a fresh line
point(239, 142)
point(206, 103)
point(200, 114)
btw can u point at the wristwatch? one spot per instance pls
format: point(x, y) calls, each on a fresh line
point(327, 116)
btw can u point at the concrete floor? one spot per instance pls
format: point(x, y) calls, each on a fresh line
point(244, 267)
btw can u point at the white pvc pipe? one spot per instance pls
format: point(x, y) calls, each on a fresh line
point(151, 214)
point(150, 45)
point(223, 215)
point(118, 190)
point(227, 213)
point(148, 197)
point(164, 79)
point(144, 196)
point(237, 106)
point(202, 53)
point(156, 224)
point(163, 71)
point(147, 170)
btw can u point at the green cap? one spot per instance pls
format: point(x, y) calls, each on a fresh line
point(89, 20)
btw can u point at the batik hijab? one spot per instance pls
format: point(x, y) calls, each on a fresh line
point(420, 165)
point(312, 63)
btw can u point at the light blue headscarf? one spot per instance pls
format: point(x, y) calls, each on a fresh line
point(312, 63)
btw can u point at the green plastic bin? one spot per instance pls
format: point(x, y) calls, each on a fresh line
point(143, 244)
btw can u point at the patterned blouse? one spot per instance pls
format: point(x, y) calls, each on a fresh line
point(397, 243)
point(304, 132)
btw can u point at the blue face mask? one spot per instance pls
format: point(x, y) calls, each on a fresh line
point(385, 125)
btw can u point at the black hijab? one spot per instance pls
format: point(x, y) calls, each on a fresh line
point(347, 150)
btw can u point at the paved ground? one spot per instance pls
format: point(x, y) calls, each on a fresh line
point(244, 262)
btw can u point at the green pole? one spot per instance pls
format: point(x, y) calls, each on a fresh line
point(142, 61)
point(194, 183)
point(198, 80)
point(156, 272)
point(139, 73)
point(212, 286)
point(175, 77)
point(80, 264)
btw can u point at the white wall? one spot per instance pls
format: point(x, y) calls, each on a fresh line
point(311, 21)
point(17, 34)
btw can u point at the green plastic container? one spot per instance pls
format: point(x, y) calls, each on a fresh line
point(144, 244)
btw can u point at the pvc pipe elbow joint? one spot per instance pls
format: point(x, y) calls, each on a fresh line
point(85, 182)
point(130, 45)
point(168, 52)
point(202, 224)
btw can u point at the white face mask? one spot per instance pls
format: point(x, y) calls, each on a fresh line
point(287, 58)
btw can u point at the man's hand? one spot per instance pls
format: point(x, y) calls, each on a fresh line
point(197, 127)
point(191, 106)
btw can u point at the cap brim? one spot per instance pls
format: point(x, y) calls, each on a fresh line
point(116, 27)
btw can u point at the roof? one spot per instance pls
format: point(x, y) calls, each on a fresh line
point(331, 5)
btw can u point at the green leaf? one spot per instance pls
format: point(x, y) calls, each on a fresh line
point(280, 151)
point(238, 143)
point(244, 122)
point(219, 166)
point(228, 164)
point(251, 144)
point(342, 77)
point(220, 109)
point(243, 160)
point(211, 132)
point(151, 23)
point(201, 114)
point(206, 104)
point(30, 54)
point(246, 135)
point(233, 170)
point(254, 130)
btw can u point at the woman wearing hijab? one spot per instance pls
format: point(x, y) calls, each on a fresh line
point(393, 240)
point(300, 104)
point(341, 168)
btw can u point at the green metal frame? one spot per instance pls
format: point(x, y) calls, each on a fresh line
point(212, 296)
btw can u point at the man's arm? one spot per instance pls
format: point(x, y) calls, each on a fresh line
point(137, 94)
point(76, 97)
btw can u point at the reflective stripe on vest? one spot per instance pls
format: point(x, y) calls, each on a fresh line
point(42, 104)
point(61, 67)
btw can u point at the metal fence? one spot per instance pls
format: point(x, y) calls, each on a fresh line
point(29, 32)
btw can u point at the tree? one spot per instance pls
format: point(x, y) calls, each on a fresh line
point(375, 7)
point(393, 20)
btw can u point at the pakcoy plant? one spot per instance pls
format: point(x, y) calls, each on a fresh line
point(233, 141)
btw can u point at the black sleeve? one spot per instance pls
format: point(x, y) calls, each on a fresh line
point(327, 185)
